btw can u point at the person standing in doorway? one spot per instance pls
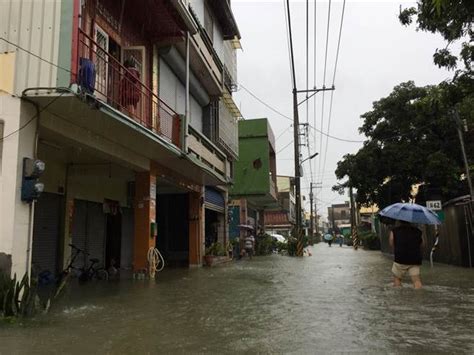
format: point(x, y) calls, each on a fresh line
point(249, 243)
point(406, 242)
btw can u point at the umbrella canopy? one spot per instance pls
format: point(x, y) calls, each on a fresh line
point(328, 237)
point(410, 212)
point(245, 226)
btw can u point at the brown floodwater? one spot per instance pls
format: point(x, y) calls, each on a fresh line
point(338, 300)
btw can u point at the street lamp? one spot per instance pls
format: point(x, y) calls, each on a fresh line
point(308, 158)
point(298, 174)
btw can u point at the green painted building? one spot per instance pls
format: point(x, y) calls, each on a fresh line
point(254, 188)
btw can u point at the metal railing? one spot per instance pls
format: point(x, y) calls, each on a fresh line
point(102, 75)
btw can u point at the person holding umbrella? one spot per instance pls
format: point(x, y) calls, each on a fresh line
point(406, 240)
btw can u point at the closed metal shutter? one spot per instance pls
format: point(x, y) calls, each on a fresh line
point(96, 232)
point(46, 232)
point(126, 257)
point(79, 230)
point(88, 231)
point(214, 200)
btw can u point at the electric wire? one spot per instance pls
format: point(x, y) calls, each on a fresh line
point(324, 82)
point(32, 118)
point(287, 35)
point(307, 88)
point(286, 146)
point(333, 81)
point(290, 119)
point(35, 55)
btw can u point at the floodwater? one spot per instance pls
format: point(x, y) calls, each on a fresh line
point(338, 300)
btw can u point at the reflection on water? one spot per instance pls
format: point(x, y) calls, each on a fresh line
point(336, 300)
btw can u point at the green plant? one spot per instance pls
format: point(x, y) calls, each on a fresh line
point(18, 298)
point(292, 246)
point(216, 249)
point(370, 240)
point(265, 244)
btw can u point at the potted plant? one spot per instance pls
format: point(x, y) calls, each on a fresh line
point(215, 252)
point(211, 252)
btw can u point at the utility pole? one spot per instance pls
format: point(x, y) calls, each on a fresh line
point(311, 225)
point(355, 237)
point(463, 150)
point(296, 138)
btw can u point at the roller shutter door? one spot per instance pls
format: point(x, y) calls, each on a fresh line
point(46, 232)
point(214, 200)
point(126, 257)
point(88, 231)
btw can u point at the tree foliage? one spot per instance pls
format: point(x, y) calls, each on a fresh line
point(411, 139)
point(452, 19)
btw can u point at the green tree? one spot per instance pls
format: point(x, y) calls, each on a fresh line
point(411, 139)
point(452, 19)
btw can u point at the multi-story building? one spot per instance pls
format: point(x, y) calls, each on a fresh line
point(339, 214)
point(254, 189)
point(129, 105)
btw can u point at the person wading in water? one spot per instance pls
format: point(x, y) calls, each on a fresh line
point(406, 242)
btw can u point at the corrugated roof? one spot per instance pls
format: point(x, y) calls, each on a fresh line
point(276, 218)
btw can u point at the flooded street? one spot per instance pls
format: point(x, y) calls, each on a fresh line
point(337, 300)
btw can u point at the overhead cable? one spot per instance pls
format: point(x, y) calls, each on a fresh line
point(333, 81)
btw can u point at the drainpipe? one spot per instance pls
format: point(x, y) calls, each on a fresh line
point(184, 126)
point(31, 213)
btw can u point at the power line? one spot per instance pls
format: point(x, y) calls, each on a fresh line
point(286, 11)
point(290, 119)
point(264, 103)
point(35, 55)
point(314, 75)
point(286, 146)
point(333, 81)
point(324, 82)
point(32, 118)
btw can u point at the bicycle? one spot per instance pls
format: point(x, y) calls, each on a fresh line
point(93, 272)
point(86, 274)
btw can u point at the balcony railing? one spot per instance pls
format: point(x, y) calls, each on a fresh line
point(107, 79)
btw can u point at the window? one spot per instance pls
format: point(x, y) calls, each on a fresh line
point(209, 24)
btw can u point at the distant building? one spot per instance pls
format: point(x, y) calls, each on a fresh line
point(339, 214)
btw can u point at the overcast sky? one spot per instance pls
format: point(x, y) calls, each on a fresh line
point(376, 54)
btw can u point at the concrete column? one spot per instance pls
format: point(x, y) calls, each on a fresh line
point(196, 226)
point(15, 215)
point(145, 216)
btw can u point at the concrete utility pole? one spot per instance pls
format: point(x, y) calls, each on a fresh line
point(463, 150)
point(296, 137)
point(311, 224)
point(355, 237)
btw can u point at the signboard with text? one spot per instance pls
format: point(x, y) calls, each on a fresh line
point(435, 205)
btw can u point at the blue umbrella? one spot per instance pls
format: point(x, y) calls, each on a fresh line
point(328, 237)
point(410, 212)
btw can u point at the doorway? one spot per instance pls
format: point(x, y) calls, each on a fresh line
point(173, 228)
point(113, 241)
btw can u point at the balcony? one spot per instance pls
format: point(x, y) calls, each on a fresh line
point(101, 75)
point(206, 152)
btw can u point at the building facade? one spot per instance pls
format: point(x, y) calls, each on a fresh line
point(254, 190)
point(130, 108)
point(339, 215)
